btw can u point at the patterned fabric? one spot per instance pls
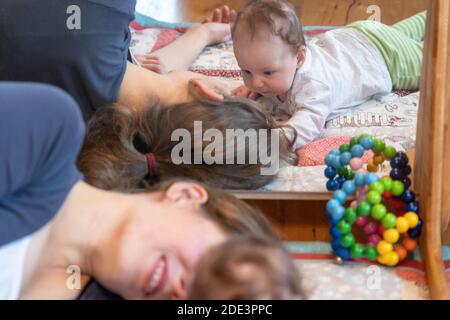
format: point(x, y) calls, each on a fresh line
point(401, 46)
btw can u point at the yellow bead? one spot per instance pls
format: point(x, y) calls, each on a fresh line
point(378, 159)
point(391, 235)
point(372, 167)
point(413, 219)
point(393, 259)
point(384, 247)
point(402, 224)
point(384, 259)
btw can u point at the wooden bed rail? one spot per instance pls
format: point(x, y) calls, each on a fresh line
point(431, 172)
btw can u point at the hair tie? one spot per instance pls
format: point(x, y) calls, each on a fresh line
point(151, 163)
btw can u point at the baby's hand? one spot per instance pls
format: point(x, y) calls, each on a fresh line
point(151, 62)
point(245, 92)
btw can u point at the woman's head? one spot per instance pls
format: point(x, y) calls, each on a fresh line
point(153, 253)
point(226, 144)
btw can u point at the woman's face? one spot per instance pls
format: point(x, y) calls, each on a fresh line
point(154, 254)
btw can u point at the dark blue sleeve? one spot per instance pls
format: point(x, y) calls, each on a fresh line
point(88, 62)
point(41, 133)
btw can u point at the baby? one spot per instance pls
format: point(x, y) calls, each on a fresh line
point(307, 83)
point(246, 268)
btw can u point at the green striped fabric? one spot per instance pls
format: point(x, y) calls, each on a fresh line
point(401, 46)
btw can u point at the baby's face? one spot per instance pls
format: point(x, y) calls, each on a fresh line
point(268, 64)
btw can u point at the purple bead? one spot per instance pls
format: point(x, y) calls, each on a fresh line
point(370, 228)
point(407, 183)
point(412, 206)
point(396, 162)
point(397, 174)
point(407, 171)
point(403, 156)
point(373, 240)
point(408, 196)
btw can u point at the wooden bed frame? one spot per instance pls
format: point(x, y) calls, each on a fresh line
point(301, 216)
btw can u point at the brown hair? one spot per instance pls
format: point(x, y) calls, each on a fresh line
point(235, 217)
point(278, 16)
point(246, 268)
point(113, 155)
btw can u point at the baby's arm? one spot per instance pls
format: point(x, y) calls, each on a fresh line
point(313, 104)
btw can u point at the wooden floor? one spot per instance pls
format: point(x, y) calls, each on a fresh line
point(312, 12)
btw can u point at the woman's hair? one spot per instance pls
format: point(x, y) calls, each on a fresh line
point(235, 217)
point(246, 268)
point(117, 141)
point(279, 17)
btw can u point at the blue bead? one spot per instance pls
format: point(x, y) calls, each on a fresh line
point(349, 187)
point(333, 185)
point(413, 207)
point(340, 196)
point(407, 183)
point(408, 196)
point(328, 159)
point(335, 152)
point(345, 158)
point(397, 174)
point(357, 151)
point(336, 244)
point(341, 181)
point(371, 178)
point(334, 232)
point(330, 172)
point(360, 179)
point(336, 162)
point(416, 231)
point(331, 204)
point(337, 213)
point(367, 143)
point(343, 253)
point(396, 162)
point(332, 221)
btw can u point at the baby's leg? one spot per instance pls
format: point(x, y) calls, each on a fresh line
point(178, 55)
point(413, 27)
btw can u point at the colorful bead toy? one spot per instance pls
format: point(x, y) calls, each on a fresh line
point(384, 208)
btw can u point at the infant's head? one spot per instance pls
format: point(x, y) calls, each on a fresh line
point(269, 45)
point(246, 268)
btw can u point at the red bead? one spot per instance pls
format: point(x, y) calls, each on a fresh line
point(400, 213)
point(387, 195)
point(380, 230)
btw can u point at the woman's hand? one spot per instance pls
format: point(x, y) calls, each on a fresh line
point(245, 92)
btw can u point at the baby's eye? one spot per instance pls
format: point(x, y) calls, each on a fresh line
point(246, 72)
point(268, 73)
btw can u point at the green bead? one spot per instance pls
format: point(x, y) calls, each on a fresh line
point(387, 183)
point(378, 145)
point(344, 227)
point(377, 186)
point(344, 148)
point(363, 209)
point(371, 253)
point(389, 152)
point(365, 135)
point(353, 141)
point(350, 215)
point(350, 175)
point(373, 197)
point(397, 188)
point(389, 221)
point(357, 251)
point(342, 171)
point(348, 240)
point(378, 211)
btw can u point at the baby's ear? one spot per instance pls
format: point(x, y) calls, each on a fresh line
point(301, 56)
point(208, 89)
